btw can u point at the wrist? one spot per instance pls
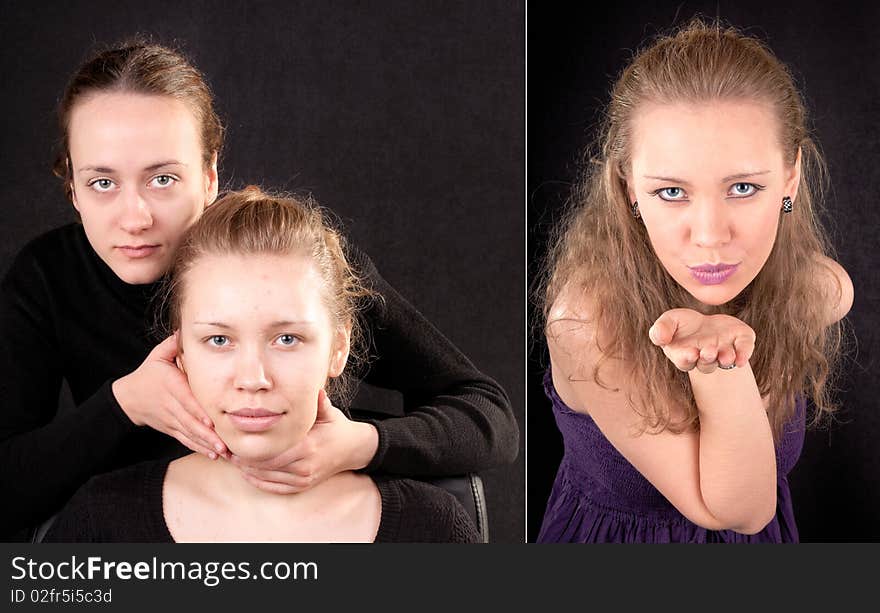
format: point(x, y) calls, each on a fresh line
point(366, 445)
point(121, 394)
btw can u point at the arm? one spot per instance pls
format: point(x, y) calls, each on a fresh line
point(44, 456)
point(456, 418)
point(723, 477)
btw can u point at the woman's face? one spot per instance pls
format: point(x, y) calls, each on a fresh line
point(709, 179)
point(257, 344)
point(138, 179)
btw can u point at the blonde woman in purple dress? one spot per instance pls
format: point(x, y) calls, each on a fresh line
point(691, 302)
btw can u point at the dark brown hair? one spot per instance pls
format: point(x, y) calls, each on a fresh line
point(139, 67)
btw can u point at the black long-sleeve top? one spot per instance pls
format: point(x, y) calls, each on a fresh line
point(64, 314)
point(125, 506)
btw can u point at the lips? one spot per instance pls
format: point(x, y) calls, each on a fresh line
point(254, 419)
point(138, 251)
point(713, 274)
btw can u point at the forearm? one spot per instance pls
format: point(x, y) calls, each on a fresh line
point(42, 467)
point(467, 430)
point(737, 458)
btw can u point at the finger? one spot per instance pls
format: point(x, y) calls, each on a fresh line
point(325, 407)
point(166, 350)
point(745, 347)
point(297, 475)
point(192, 445)
point(706, 368)
point(663, 330)
point(270, 486)
point(183, 394)
point(726, 355)
point(684, 359)
point(709, 352)
point(196, 429)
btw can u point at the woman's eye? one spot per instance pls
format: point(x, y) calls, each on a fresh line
point(742, 190)
point(671, 193)
point(218, 340)
point(287, 340)
point(163, 180)
point(101, 185)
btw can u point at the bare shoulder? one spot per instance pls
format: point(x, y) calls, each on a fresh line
point(837, 287)
point(571, 333)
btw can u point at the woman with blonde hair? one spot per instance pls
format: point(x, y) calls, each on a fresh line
point(690, 302)
point(264, 308)
point(140, 140)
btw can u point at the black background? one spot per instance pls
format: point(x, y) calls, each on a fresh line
point(405, 118)
point(574, 55)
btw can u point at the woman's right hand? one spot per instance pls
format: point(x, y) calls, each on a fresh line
point(690, 339)
point(157, 395)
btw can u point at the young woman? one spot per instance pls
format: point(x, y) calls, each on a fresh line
point(690, 303)
point(265, 310)
point(138, 156)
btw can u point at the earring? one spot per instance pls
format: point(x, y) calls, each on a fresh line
point(787, 205)
point(635, 209)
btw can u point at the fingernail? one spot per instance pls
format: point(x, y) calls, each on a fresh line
point(218, 447)
point(207, 422)
point(212, 455)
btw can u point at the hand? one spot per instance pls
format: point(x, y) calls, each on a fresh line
point(690, 339)
point(157, 395)
point(334, 444)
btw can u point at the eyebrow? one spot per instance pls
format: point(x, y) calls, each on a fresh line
point(274, 324)
point(151, 168)
point(741, 175)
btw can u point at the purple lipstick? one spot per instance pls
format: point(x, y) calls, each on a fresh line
point(713, 274)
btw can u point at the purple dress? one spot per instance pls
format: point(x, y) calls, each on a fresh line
point(599, 497)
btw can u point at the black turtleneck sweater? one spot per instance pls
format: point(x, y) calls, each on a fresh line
point(64, 314)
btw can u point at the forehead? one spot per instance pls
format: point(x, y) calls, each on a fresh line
point(114, 125)
point(717, 136)
point(253, 289)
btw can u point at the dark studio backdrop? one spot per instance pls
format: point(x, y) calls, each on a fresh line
point(404, 118)
point(574, 55)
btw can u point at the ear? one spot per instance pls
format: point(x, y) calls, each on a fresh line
point(179, 357)
point(211, 182)
point(73, 197)
point(793, 178)
point(341, 349)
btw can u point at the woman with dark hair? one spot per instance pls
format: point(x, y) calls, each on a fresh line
point(138, 156)
point(690, 302)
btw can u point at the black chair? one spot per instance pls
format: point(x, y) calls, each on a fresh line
point(468, 490)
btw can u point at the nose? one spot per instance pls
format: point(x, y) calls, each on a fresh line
point(136, 216)
point(251, 373)
point(710, 224)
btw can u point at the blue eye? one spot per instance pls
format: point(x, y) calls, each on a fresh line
point(744, 190)
point(671, 194)
point(163, 180)
point(287, 340)
point(101, 185)
point(218, 340)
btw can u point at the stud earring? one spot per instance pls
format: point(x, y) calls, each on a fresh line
point(787, 205)
point(635, 210)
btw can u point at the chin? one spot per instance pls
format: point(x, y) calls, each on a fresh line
point(715, 295)
point(254, 448)
point(137, 275)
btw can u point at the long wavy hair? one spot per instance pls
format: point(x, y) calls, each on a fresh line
point(602, 252)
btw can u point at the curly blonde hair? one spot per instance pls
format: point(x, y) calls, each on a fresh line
point(602, 252)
